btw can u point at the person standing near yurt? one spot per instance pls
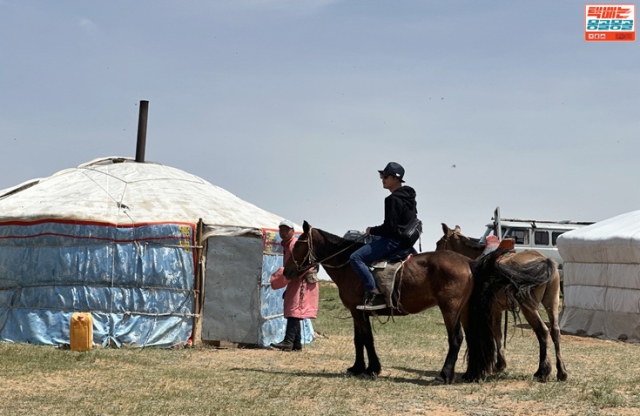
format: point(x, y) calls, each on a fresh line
point(301, 296)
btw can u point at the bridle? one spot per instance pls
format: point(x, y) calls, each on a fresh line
point(461, 239)
point(311, 258)
point(446, 241)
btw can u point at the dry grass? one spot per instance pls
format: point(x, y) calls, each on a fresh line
point(603, 377)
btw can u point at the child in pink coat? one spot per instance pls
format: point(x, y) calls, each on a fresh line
point(301, 296)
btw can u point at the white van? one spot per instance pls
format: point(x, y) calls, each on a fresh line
point(539, 235)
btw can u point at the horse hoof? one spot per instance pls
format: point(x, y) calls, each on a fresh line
point(543, 374)
point(367, 376)
point(562, 376)
point(438, 381)
point(499, 368)
point(467, 378)
point(371, 374)
point(352, 372)
point(542, 378)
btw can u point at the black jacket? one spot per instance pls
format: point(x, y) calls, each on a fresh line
point(399, 209)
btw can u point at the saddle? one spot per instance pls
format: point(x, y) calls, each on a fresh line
point(384, 272)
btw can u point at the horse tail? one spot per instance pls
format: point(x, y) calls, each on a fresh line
point(519, 280)
point(490, 277)
point(481, 348)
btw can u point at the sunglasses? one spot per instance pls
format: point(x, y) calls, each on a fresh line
point(384, 176)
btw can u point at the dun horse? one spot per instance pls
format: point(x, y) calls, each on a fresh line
point(546, 292)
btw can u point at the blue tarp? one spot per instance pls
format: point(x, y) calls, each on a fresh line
point(137, 282)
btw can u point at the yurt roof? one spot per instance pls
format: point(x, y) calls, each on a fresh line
point(118, 190)
point(614, 240)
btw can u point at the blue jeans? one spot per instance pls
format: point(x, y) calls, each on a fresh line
point(366, 255)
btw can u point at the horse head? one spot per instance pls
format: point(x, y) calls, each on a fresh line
point(317, 247)
point(445, 241)
point(454, 240)
point(302, 256)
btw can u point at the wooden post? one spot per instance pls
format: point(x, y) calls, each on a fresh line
point(199, 285)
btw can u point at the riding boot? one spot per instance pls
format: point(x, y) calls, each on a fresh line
point(373, 301)
point(297, 341)
point(289, 337)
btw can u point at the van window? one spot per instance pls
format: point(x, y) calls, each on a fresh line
point(520, 235)
point(541, 238)
point(555, 235)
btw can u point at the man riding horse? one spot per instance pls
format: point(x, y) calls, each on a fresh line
point(400, 212)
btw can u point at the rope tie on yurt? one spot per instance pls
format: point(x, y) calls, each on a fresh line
point(185, 246)
point(139, 253)
point(186, 315)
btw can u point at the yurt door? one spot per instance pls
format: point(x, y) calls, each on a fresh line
point(231, 290)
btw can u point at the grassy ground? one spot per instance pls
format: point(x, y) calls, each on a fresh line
point(604, 377)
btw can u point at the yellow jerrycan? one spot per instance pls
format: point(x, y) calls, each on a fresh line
point(81, 331)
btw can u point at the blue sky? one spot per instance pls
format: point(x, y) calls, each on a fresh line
point(294, 105)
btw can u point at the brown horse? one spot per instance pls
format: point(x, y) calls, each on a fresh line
point(442, 279)
point(547, 293)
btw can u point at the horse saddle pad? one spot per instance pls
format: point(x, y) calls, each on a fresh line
point(384, 272)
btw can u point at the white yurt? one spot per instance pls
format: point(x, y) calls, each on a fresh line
point(602, 279)
point(157, 255)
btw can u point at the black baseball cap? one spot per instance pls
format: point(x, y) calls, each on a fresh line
point(394, 169)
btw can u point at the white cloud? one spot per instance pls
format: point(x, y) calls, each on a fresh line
point(88, 25)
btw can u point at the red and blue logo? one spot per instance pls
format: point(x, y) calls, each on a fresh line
point(610, 22)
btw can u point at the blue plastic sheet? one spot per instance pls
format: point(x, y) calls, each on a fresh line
point(137, 282)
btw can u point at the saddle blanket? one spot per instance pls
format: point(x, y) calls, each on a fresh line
point(385, 275)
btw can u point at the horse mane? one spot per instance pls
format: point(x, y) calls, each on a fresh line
point(338, 243)
point(473, 243)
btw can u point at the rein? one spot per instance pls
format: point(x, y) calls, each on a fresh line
point(313, 260)
point(465, 241)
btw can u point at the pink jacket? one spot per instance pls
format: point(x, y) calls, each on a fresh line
point(300, 298)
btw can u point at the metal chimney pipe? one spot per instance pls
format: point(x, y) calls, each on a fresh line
point(142, 131)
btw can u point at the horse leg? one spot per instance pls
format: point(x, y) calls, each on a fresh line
point(542, 333)
point(501, 362)
point(358, 367)
point(455, 337)
point(551, 307)
point(373, 370)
